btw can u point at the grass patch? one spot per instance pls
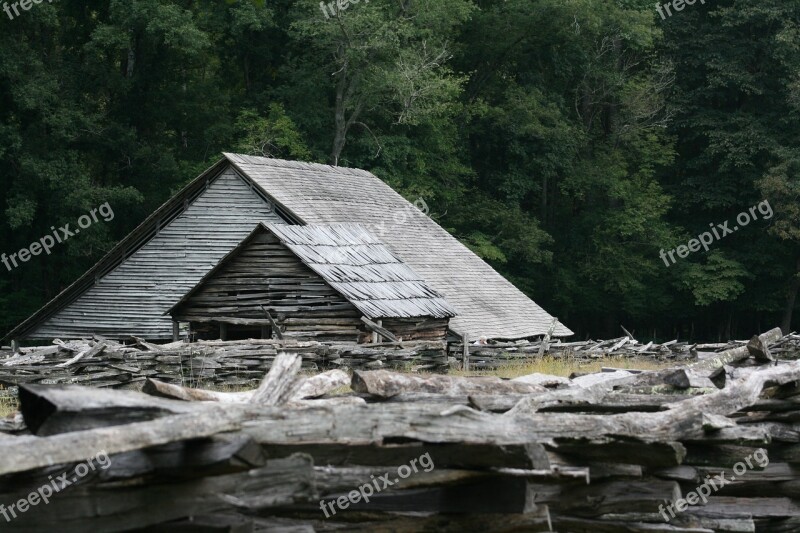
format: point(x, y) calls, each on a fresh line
point(8, 403)
point(564, 366)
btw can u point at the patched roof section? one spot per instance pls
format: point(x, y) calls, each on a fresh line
point(363, 270)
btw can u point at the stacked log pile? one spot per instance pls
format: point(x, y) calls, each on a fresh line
point(239, 364)
point(104, 363)
point(601, 452)
point(494, 355)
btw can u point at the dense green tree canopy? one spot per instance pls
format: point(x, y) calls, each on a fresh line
point(567, 142)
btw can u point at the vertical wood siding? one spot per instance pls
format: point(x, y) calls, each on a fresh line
point(132, 298)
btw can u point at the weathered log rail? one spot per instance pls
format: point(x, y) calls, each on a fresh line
point(494, 355)
point(236, 364)
point(239, 364)
point(601, 452)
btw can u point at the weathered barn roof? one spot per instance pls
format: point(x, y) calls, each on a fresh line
point(128, 291)
point(357, 265)
point(488, 304)
point(360, 267)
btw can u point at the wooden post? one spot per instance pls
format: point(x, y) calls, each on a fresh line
point(14, 346)
point(276, 331)
point(546, 340)
point(465, 341)
point(176, 331)
point(375, 334)
point(223, 331)
point(378, 331)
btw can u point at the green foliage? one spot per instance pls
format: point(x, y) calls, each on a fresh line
point(717, 280)
point(564, 141)
point(272, 136)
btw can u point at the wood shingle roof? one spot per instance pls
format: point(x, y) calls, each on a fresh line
point(488, 304)
point(360, 267)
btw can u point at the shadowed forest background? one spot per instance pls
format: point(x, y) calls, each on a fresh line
point(564, 141)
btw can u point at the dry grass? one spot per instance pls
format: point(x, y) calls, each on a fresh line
point(223, 387)
point(556, 366)
point(8, 403)
point(563, 366)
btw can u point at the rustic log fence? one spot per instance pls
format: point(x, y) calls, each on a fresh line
point(239, 364)
point(235, 364)
point(600, 452)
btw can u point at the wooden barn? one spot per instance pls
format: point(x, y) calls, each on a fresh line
point(131, 289)
point(324, 283)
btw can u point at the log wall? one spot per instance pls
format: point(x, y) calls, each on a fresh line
point(266, 275)
point(417, 328)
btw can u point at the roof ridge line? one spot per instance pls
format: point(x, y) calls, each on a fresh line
point(298, 165)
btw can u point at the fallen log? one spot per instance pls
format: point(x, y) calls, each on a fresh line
point(710, 367)
point(112, 507)
point(321, 384)
point(49, 409)
point(87, 354)
point(386, 384)
point(312, 387)
point(158, 388)
point(686, 420)
point(20, 454)
point(279, 385)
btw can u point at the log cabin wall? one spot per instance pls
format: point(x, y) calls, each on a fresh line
point(422, 328)
point(265, 273)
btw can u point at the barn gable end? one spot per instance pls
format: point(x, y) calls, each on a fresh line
point(132, 298)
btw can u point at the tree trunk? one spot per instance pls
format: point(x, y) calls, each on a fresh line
point(788, 310)
point(340, 137)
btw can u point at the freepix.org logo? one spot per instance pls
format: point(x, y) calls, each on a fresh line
point(718, 232)
point(25, 5)
point(48, 242)
point(54, 486)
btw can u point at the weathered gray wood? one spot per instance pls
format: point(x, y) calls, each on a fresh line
point(546, 340)
point(449, 455)
point(465, 354)
point(87, 354)
point(162, 271)
point(155, 387)
point(27, 453)
point(649, 454)
point(379, 330)
point(50, 410)
point(544, 380)
point(276, 330)
point(736, 354)
point(321, 384)
point(759, 349)
point(113, 507)
point(385, 384)
point(751, 507)
point(603, 379)
point(685, 378)
point(279, 385)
